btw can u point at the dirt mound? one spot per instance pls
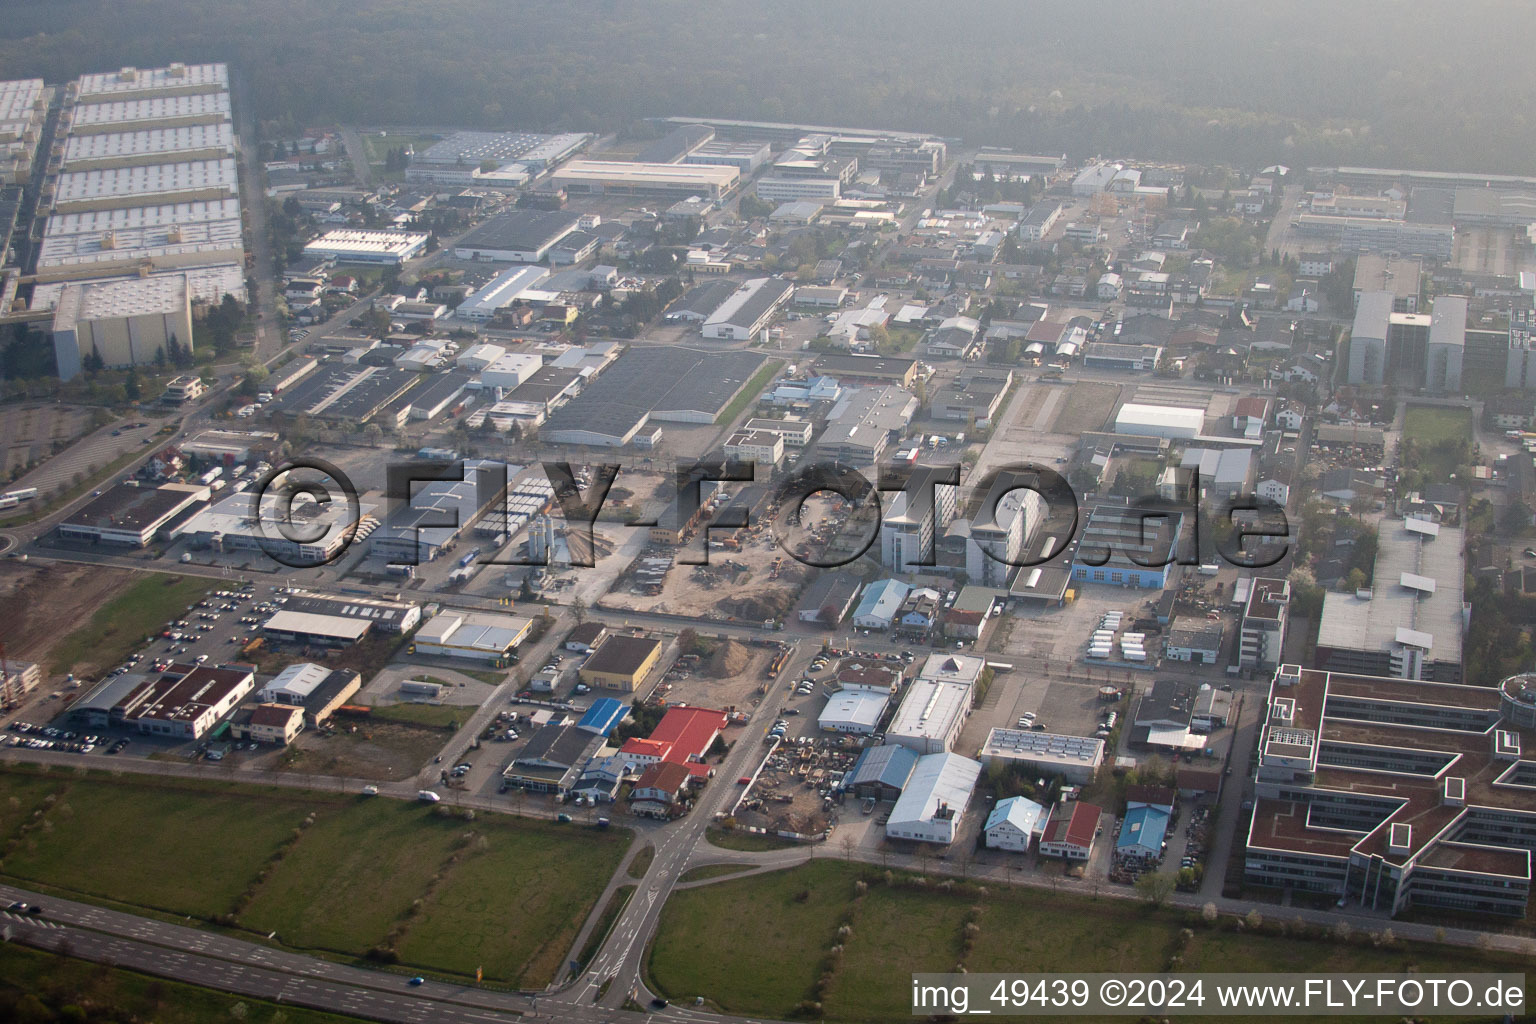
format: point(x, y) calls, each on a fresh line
point(730, 659)
point(767, 604)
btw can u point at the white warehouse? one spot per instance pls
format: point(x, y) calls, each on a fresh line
point(1170, 421)
point(934, 799)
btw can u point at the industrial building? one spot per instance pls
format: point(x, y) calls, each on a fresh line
point(128, 322)
point(621, 663)
point(683, 736)
point(881, 772)
point(518, 236)
point(414, 532)
point(499, 294)
point(863, 424)
point(1197, 641)
point(930, 716)
point(184, 702)
point(130, 516)
point(1396, 794)
point(1410, 623)
point(744, 315)
point(627, 178)
point(1124, 546)
point(934, 799)
point(1170, 421)
point(490, 159)
point(856, 712)
point(319, 532)
point(391, 248)
point(478, 636)
point(318, 690)
point(553, 760)
point(1074, 758)
point(880, 604)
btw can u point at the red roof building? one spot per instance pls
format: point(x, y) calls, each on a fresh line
point(1070, 831)
point(683, 736)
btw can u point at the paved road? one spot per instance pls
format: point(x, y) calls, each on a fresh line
point(270, 340)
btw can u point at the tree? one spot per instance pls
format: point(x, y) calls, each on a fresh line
point(131, 389)
point(1155, 887)
point(579, 610)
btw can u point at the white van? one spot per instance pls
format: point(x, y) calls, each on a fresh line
point(426, 796)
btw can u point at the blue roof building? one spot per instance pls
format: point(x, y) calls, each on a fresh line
point(604, 714)
point(881, 772)
point(880, 604)
point(1142, 832)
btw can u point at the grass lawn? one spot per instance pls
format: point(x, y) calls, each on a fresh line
point(713, 871)
point(434, 716)
point(700, 948)
point(352, 876)
point(502, 893)
point(749, 393)
point(379, 146)
point(752, 842)
point(642, 862)
point(1431, 424)
point(184, 850)
point(115, 994)
point(515, 903)
point(122, 624)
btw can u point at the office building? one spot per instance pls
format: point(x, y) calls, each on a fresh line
point(910, 527)
point(1261, 638)
point(1394, 794)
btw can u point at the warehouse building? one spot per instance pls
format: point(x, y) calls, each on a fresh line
point(391, 248)
point(130, 322)
point(553, 760)
point(315, 688)
point(742, 316)
point(881, 602)
point(313, 628)
point(519, 236)
point(1410, 623)
point(881, 772)
point(1169, 421)
point(626, 178)
point(149, 145)
point(934, 799)
point(387, 616)
point(603, 716)
point(1123, 547)
point(1074, 758)
point(683, 736)
point(184, 702)
point(746, 157)
point(621, 663)
point(412, 535)
point(319, 532)
point(500, 294)
point(930, 716)
point(856, 712)
point(1197, 641)
point(478, 636)
point(130, 516)
point(864, 423)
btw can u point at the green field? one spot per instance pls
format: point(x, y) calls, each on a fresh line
point(1431, 424)
point(31, 978)
point(751, 842)
point(121, 625)
point(434, 716)
point(713, 871)
point(383, 876)
point(778, 964)
point(642, 862)
point(615, 906)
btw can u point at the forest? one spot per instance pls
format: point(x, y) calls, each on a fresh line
point(1301, 82)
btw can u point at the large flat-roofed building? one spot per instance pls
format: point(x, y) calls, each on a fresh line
point(930, 716)
point(386, 615)
point(500, 293)
point(1170, 421)
point(146, 185)
point(1074, 758)
point(122, 239)
point(458, 158)
point(881, 772)
point(316, 628)
point(1446, 346)
point(1409, 623)
point(318, 533)
point(353, 246)
point(175, 79)
point(23, 109)
point(128, 322)
point(1124, 547)
point(621, 663)
point(119, 115)
point(475, 635)
point(185, 702)
point(1400, 276)
point(746, 157)
point(412, 533)
point(1394, 793)
point(627, 178)
point(901, 372)
point(934, 799)
point(863, 424)
point(748, 311)
point(853, 711)
point(1378, 235)
point(149, 145)
point(519, 236)
point(130, 516)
